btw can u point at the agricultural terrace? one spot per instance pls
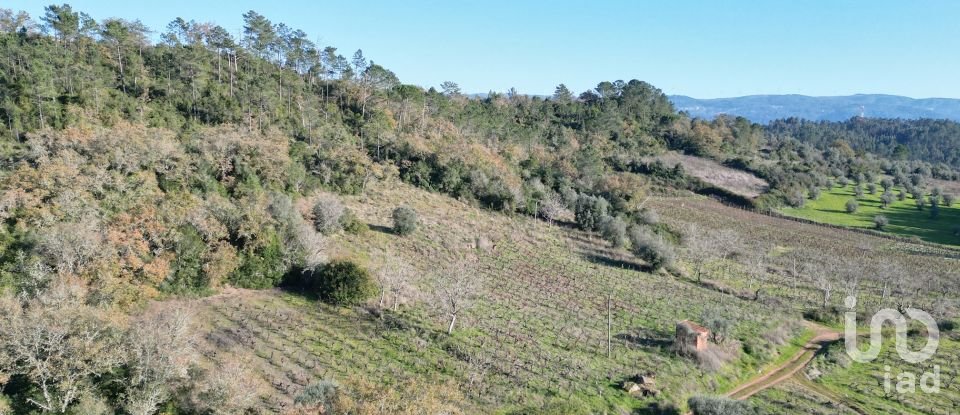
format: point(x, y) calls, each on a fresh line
point(537, 332)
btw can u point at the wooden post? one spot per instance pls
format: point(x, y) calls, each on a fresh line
point(609, 323)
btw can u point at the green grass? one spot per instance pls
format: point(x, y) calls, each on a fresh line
point(862, 384)
point(905, 218)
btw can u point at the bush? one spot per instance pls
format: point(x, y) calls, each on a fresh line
point(858, 191)
point(651, 248)
point(852, 206)
point(814, 193)
point(340, 282)
point(353, 225)
point(614, 230)
point(872, 188)
point(405, 220)
point(946, 325)
point(948, 199)
point(796, 199)
point(902, 195)
point(327, 213)
point(590, 210)
point(880, 222)
point(648, 217)
point(709, 405)
point(318, 395)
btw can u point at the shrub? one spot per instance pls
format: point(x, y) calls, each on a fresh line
point(649, 217)
point(327, 213)
point(946, 325)
point(590, 210)
point(948, 199)
point(651, 248)
point(858, 191)
point(720, 326)
point(796, 199)
point(919, 202)
point(814, 193)
point(852, 206)
point(708, 405)
point(614, 230)
point(843, 181)
point(318, 395)
point(902, 195)
point(340, 282)
point(405, 220)
point(880, 222)
point(872, 188)
point(352, 224)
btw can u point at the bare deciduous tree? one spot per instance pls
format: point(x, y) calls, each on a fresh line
point(58, 344)
point(393, 276)
point(454, 290)
point(225, 390)
point(71, 246)
point(551, 207)
point(700, 247)
point(160, 352)
point(822, 279)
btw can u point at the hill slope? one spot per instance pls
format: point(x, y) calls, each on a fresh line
point(766, 108)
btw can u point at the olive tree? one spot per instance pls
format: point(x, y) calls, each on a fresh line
point(651, 248)
point(852, 206)
point(880, 222)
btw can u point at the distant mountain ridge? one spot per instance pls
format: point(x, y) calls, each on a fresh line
point(765, 108)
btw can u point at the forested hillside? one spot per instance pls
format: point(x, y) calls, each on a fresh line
point(142, 172)
point(933, 141)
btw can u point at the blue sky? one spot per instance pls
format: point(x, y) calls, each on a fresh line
point(704, 49)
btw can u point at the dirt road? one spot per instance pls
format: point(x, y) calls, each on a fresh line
point(822, 336)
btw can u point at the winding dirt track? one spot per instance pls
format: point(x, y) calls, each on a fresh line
point(822, 336)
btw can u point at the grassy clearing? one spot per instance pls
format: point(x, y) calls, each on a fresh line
point(736, 181)
point(905, 218)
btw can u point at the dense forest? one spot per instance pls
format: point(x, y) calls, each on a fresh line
point(138, 165)
point(933, 141)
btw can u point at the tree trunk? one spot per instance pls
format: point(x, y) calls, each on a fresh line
point(453, 321)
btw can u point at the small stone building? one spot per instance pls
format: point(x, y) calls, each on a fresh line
point(691, 337)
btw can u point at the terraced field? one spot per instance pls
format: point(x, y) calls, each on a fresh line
point(538, 331)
